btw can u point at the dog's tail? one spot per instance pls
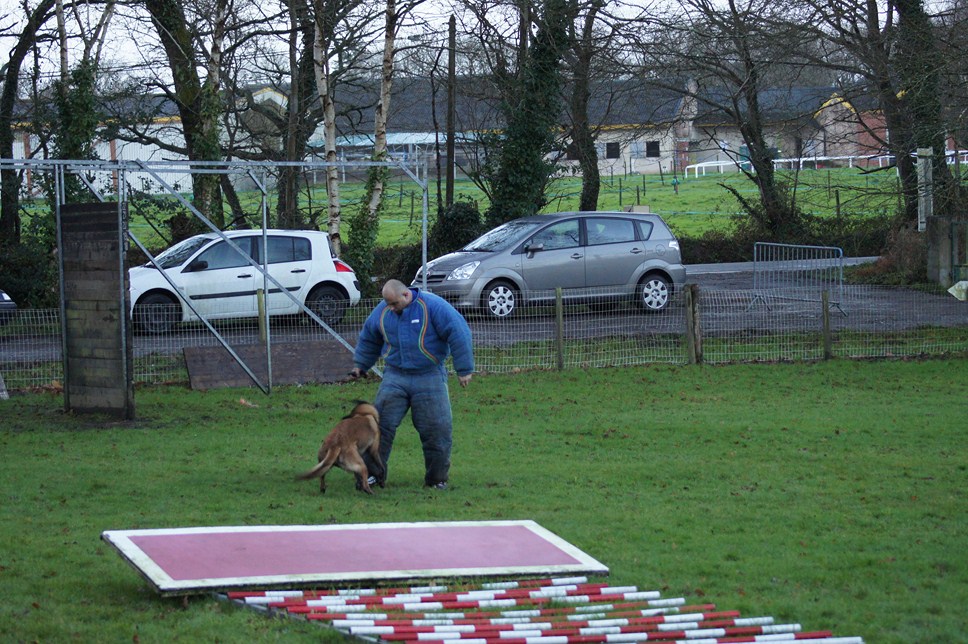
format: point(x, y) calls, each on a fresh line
point(313, 473)
point(321, 467)
point(356, 404)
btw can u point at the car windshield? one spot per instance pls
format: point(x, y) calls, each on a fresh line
point(502, 237)
point(177, 254)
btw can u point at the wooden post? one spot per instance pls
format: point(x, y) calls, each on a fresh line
point(693, 329)
point(260, 298)
point(559, 329)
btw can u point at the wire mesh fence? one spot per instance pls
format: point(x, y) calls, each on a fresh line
point(734, 325)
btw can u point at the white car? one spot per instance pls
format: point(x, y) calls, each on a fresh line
point(221, 283)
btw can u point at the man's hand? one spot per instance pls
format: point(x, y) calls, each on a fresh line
point(355, 373)
point(464, 380)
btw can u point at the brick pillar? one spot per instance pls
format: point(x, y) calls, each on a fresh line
point(97, 338)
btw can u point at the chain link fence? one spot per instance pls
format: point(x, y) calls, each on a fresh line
point(734, 325)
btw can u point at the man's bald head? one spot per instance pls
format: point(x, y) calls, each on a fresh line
point(397, 295)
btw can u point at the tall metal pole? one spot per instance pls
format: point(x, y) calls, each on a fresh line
point(451, 111)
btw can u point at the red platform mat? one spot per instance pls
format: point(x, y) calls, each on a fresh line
point(190, 560)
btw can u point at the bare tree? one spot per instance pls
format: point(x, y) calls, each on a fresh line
point(520, 46)
point(597, 66)
point(952, 35)
point(585, 42)
point(365, 223)
point(77, 116)
point(889, 52)
point(197, 97)
point(722, 54)
point(9, 195)
point(953, 43)
point(342, 29)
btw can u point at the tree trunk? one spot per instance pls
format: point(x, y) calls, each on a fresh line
point(381, 113)
point(582, 140)
point(321, 56)
point(299, 124)
point(919, 64)
point(198, 103)
point(10, 182)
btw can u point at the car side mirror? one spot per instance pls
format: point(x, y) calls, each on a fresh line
point(530, 249)
point(197, 265)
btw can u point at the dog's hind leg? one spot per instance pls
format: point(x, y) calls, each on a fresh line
point(326, 464)
point(379, 470)
point(353, 462)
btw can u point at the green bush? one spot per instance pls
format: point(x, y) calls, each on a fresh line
point(454, 228)
point(856, 236)
point(28, 273)
point(393, 262)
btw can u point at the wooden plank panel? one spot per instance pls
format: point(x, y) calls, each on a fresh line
point(292, 363)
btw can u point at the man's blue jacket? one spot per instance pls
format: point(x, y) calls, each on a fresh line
point(418, 339)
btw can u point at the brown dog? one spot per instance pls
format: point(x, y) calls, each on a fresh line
point(357, 433)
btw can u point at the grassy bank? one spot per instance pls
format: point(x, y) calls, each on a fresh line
point(692, 206)
point(829, 494)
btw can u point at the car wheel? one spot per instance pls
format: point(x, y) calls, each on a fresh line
point(329, 303)
point(500, 299)
point(156, 313)
point(653, 293)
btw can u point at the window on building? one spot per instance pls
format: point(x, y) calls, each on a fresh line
point(652, 149)
point(613, 150)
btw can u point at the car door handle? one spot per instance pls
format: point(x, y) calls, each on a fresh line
point(636, 251)
point(577, 256)
point(298, 270)
point(244, 275)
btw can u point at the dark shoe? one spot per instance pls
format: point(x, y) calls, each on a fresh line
point(439, 486)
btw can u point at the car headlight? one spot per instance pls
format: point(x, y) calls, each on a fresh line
point(463, 272)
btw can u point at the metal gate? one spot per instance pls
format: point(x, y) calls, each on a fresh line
point(959, 250)
point(788, 271)
point(115, 181)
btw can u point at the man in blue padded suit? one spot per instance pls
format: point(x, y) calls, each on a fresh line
point(414, 332)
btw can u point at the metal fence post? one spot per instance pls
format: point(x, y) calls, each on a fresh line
point(828, 352)
point(559, 329)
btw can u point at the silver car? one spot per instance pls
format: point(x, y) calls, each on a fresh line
point(590, 255)
point(7, 308)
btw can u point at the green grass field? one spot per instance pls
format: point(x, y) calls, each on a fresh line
point(830, 494)
point(692, 206)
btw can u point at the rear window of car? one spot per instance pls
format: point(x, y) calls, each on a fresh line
point(645, 229)
point(608, 230)
point(289, 249)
